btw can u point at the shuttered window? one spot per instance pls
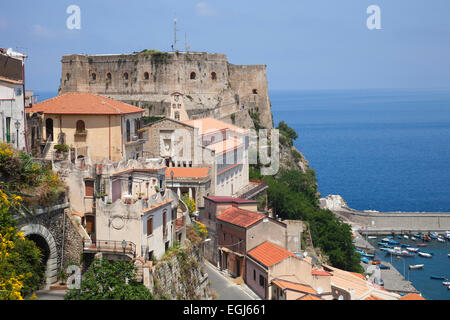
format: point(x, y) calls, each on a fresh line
point(89, 188)
point(150, 226)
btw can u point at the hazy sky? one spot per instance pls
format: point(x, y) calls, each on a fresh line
point(306, 44)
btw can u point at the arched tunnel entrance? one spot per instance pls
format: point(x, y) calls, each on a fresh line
point(46, 243)
point(45, 252)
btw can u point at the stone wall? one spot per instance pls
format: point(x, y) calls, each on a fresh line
point(180, 276)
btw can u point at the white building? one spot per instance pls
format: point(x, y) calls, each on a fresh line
point(12, 98)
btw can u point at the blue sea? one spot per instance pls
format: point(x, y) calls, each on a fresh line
point(385, 150)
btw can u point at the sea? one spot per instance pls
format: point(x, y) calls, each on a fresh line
point(384, 150)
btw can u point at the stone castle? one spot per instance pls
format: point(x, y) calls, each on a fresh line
point(209, 84)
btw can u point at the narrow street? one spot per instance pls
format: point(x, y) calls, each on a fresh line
point(225, 288)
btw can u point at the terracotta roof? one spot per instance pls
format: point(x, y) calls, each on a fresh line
point(359, 275)
point(320, 273)
point(309, 297)
point(128, 170)
point(210, 125)
point(157, 205)
point(240, 217)
point(288, 285)
point(83, 103)
point(412, 296)
point(372, 297)
point(187, 172)
point(269, 254)
point(225, 146)
point(223, 199)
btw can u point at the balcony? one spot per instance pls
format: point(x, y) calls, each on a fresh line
point(109, 246)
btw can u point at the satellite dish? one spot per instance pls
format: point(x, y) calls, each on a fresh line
point(319, 290)
point(341, 298)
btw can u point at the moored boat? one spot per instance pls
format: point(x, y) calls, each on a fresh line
point(405, 237)
point(413, 238)
point(416, 266)
point(365, 260)
point(411, 249)
point(393, 242)
point(417, 235)
point(422, 244)
point(383, 266)
point(438, 277)
point(371, 237)
point(375, 262)
point(424, 254)
point(446, 283)
point(440, 239)
point(399, 237)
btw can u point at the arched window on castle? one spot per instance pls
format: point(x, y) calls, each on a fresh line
point(146, 76)
point(67, 76)
point(193, 75)
point(94, 76)
point(213, 76)
point(125, 75)
point(109, 76)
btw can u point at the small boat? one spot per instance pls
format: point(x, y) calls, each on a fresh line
point(390, 237)
point(446, 283)
point(371, 237)
point(393, 242)
point(426, 238)
point(424, 254)
point(404, 245)
point(437, 277)
point(417, 235)
point(413, 238)
point(440, 239)
point(375, 262)
point(416, 266)
point(427, 252)
point(405, 237)
point(383, 266)
point(422, 244)
point(365, 260)
point(433, 236)
point(410, 249)
point(385, 240)
point(399, 237)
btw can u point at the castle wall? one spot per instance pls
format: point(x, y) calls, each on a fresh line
point(146, 80)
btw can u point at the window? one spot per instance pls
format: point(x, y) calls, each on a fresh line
point(150, 226)
point(80, 126)
point(94, 76)
point(193, 76)
point(254, 274)
point(174, 106)
point(108, 76)
point(255, 91)
point(128, 131)
point(150, 255)
point(224, 236)
point(146, 76)
point(262, 281)
point(48, 128)
point(177, 115)
point(125, 75)
point(67, 76)
point(164, 223)
point(213, 76)
point(8, 129)
point(89, 188)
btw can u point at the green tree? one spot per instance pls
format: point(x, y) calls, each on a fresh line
point(106, 280)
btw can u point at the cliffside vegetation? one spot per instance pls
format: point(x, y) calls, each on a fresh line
point(23, 183)
point(293, 194)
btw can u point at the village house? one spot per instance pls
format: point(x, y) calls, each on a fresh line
point(194, 183)
point(92, 126)
point(12, 98)
point(271, 271)
point(239, 230)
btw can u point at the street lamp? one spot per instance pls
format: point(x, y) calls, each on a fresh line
point(17, 125)
point(124, 246)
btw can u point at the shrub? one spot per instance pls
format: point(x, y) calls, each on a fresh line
point(61, 147)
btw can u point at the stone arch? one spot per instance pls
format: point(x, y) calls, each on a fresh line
point(146, 75)
point(94, 76)
point(213, 76)
point(51, 269)
point(125, 75)
point(193, 75)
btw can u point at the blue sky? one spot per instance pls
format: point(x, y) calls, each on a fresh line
point(306, 44)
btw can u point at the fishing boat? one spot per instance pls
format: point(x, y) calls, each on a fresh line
point(424, 254)
point(405, 237)
point(365, 260)
point(417, 235)
point(433, 236)
point(438, 277)
point(448, 255)
point(446, 283)
point(383, 266)
point(375, 262)
point(440, 239)
point(413, 238)
point(424, 251)
point(416, 266)
point(422, 244)
point(411, 249)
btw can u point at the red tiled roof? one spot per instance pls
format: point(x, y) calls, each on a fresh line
point(321, 273)
point(269, 254)
point(309, 297)
point(412, 296)
point(209, 125)
point(288, 285)
point(240, 217)
point(359, 275)
point(83, 103)
point(187, 172)
point(229, 199)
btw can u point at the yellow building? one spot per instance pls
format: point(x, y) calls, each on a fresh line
point(92, 125)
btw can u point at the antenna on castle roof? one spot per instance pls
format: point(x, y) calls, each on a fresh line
point(185, 43)
point(174, 46)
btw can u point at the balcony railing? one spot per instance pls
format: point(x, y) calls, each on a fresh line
point(109, 246)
